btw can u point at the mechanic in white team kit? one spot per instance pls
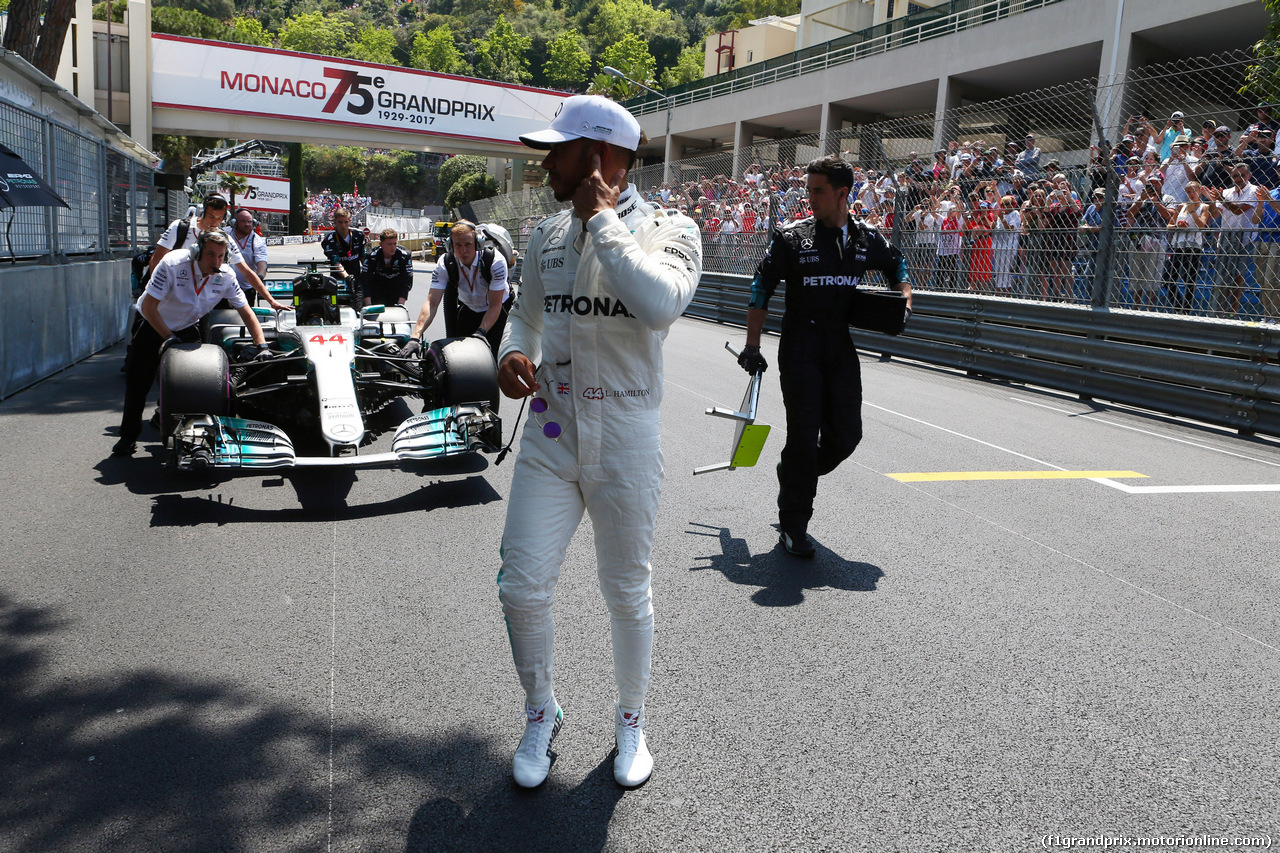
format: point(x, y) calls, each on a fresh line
point(184, 287)
point(253, 249)
point(483, 296)
point(603, 281)
point(215, 208)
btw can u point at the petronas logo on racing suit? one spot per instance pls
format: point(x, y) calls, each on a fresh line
point(832, 280)
point(601, 306)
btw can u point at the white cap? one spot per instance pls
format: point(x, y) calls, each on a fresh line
point(588, 117)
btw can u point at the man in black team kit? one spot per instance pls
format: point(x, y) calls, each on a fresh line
point(345, 250)
point(822, 259)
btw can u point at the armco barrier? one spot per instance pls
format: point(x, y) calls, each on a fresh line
point(1220, 372)
point(55, 316)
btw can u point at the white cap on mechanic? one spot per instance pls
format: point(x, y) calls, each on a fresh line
point(589, 117)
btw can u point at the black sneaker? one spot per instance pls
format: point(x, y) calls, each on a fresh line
point(124, 447)
point(797, 544)
point(155, 419)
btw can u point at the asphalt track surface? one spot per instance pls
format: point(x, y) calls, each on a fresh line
point(317, 661)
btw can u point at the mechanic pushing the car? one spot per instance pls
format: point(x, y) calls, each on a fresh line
point(184, 287)
point(483, 296)
point(603, 282)
point(215, 209)
point(822, 259)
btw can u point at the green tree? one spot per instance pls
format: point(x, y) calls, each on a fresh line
point(742, 12)
point(176, 151)
point(567, 62)
point(117, 10)
point(470, 187)
point(610, 20)
point(1262, 77)
point(502, 56)
point(184, 22)
point(245, 30)
point(437, 51)
point(688, 67)
point(220, 10)
point(455, 168)
point(315, 32)
point(374, 44)
point(234, 185)
point(631, 56)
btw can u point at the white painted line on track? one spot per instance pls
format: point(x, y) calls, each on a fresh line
point(1195, 444)
point(967, 437)
point(1176, 490)
point(333, 657)
point(1047, 547)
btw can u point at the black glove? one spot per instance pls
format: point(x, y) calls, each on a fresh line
point(412, 348)
point(752, 361)
point(481, 335)
point(263, 354)
point(253, 353)
point(168, 342)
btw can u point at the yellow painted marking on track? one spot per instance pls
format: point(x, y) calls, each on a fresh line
point(938, 476)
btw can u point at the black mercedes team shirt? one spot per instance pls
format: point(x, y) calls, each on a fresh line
point(822, 267)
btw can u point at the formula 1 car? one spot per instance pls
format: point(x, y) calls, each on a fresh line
point(334, 367)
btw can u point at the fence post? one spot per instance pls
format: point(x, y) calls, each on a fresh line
point(51, 175)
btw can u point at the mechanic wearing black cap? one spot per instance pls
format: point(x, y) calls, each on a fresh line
point(822, 259)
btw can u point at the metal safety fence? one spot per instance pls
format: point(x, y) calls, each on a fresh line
point(110, 194)
point(1156, 193)
point(1125, 192)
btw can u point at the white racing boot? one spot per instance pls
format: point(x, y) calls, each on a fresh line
point(633, 765)
point(532, 761)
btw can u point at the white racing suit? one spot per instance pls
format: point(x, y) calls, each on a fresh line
point(593, 323)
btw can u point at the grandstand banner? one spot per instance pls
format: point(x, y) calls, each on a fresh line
point(265, 195)
point(208, 76)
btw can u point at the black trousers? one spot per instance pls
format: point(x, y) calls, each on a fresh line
point(467, 322)
point(140, 367)
point(822, 391)
point(383, 291)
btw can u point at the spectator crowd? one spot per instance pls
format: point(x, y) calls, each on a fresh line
point(1196, 216)
point(321, 205)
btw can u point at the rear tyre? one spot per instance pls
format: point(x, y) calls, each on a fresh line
point(194, 380)
point(466, 372)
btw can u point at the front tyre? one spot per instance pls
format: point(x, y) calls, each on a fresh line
point(194, 380)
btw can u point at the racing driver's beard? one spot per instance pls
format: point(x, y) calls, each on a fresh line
point(567, 165)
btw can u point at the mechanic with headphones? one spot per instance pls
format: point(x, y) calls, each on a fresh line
point(252, 248)
point(184, 287)
point(215, 208)
point(480, 279)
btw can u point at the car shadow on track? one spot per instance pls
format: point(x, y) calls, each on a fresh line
point(319, 500)
point(141, 760)
point(783, 579)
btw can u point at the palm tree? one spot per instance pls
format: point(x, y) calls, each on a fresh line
point(233, 183)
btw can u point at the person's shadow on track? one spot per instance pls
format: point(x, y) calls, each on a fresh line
point(574, 820)
point(781, 577)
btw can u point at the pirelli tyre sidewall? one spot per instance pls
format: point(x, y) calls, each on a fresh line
point(194, 380)
point(466, 369)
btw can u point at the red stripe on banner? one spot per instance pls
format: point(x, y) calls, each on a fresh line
point(333, 121)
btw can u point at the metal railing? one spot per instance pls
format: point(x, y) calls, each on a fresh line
point(110, 194)
point(1218, 372)
point(921, 27)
